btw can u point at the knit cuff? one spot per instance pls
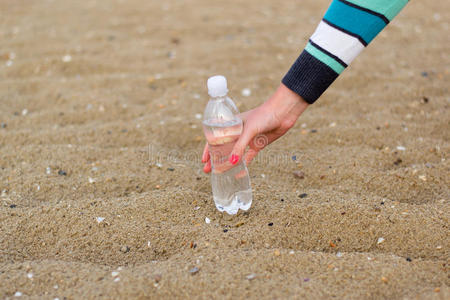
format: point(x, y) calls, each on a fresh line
point(309, 77)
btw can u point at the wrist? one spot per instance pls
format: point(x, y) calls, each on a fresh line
point(286, 104)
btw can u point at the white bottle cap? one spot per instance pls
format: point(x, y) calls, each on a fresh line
point(217, 86)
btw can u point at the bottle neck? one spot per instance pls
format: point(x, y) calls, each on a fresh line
point(219, 99)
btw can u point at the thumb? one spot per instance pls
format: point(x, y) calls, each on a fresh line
point(239, 148)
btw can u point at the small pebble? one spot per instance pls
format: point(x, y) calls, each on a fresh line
point(425, 99)
point(251, 276)
point(277, 252)
point(225, 230)
point(291, 252)
point(194, 270)
point(67, 58)
point(157, 278)
point(408, 259)
point(384, 279)
point(171, 54)
point(239, 224)
point(424, 74)
point(313, 130)
point(124, 249)
point(270, 224)
point(207, 220)
point(304, 195)
point(170, 169)
point(18, 294)
point(380, 240)
point(9, 63)
point(12, 206)
point(117, 279)
point(299, 174)
point(30, 275)
point(48, 170)
point(423, 177)
point(198, 116)
point(24, 112)
point(62, 173)
point(114, 274)
point(3, 125)
point(397, 162)
point(100, 219)
point(91, 180)
point(339, 254)
point(294, 157)
point(306, 279)
point(333, 124)
point(401, 148)
point(246, 92)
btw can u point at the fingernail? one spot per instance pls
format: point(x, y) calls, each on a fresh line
point(234, 159)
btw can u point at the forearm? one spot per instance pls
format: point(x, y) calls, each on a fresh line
point(346, 29)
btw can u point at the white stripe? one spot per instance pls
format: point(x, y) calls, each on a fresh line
point(338, 43)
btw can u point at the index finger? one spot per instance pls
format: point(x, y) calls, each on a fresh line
point(205, 156)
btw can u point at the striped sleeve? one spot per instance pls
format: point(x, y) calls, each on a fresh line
point(346, 29)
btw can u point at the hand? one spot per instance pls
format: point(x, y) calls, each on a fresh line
point(263, 125)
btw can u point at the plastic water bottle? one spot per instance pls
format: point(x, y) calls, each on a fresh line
point(230, 183)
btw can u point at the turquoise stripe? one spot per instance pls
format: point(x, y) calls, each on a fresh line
point(388, 8)
point(329, 61)
point(354, 20)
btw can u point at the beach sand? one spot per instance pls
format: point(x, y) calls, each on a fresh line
point(102, 193)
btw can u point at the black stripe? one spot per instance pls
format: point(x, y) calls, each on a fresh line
point(329, 54)
point(381, 16)
point(346, 31)
point(309, 77)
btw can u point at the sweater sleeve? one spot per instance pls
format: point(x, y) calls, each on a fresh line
point(346, 29)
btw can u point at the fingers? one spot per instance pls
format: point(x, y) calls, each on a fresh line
point(206, 159)
point(205, 156)
point(258, 143)
point(207, 167)
point(250, 155)
point(239, 148)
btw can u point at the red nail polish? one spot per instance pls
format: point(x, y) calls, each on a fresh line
point(234, 159)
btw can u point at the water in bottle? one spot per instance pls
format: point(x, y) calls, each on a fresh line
point(230, 183)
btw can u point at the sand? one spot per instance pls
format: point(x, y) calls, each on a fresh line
point(102, 194)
